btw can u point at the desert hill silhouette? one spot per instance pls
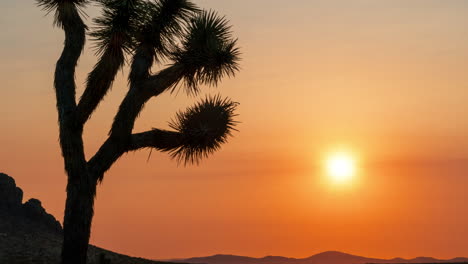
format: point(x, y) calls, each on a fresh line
point(329, 257)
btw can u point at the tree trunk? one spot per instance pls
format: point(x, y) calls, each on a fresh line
point(81, 188)
point(77, 221)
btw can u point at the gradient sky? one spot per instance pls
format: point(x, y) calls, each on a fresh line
point(385, 80)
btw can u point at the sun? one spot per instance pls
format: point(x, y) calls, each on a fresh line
point(341, 167)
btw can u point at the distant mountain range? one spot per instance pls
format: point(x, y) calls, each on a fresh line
point(329, 257)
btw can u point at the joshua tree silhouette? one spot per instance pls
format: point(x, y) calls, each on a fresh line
point(198, 48)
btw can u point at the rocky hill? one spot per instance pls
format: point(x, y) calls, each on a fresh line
point(22, 217)
point(28, 234)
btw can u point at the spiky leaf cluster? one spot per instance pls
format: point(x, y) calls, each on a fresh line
point(115, 29)
point(208, 51)
point(65, 11)
point(164, 22)
point(204, 127)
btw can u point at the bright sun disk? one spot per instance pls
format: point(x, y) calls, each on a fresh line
point(341, 167)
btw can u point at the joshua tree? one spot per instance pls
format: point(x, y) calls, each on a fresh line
point(197, 48)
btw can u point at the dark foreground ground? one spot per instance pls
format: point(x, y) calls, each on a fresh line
point(42, 248)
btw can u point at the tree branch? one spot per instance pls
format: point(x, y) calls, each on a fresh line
point(164, 80)
point(111, 151)
point(121, 140)
point(159, 139)
point(142, 61)
point(99, 82)
point(129, 110)
point(137, 97)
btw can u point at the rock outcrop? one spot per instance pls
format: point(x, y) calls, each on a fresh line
point(11, 197)
point(16, 216)
point(34, 211)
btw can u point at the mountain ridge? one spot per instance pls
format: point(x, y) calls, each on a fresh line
point(327, 257)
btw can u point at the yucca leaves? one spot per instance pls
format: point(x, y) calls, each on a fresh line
point(158, 35)
point(208, 51)
point(203, 128)
point(114, 30)
point(65, 11)
point(167, 20)
point(50, 5)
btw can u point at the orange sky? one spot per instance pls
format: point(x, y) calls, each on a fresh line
point(384, 79)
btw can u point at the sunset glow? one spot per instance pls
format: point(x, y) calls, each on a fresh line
point(352, 133)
